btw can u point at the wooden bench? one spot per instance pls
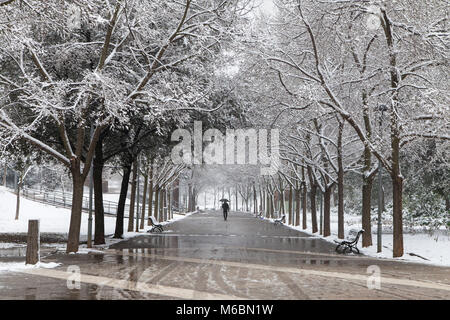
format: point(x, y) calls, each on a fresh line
point(281, 220)
point(156, 227)
point(349, 246)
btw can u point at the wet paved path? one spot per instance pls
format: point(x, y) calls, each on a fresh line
point(204, 257)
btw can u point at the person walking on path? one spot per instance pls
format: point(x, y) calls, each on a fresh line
point(225, 208)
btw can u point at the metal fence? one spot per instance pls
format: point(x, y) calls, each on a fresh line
point(64, 200)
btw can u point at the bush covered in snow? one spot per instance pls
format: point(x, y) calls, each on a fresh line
point(427, 209)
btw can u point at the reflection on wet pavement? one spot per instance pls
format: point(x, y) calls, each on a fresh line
point(243, 231)
point(239, 239)
point(203, 257)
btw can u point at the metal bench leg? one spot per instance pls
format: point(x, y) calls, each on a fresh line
point(356, 249)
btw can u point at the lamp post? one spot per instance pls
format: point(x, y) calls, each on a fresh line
point(381, 108)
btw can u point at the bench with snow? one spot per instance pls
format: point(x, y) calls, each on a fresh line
point(349, 246)
point(156, 227)
point(281, 220)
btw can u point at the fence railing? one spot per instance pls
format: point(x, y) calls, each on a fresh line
point(64, 200)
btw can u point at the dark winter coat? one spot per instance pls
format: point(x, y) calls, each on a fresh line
point(225, 206)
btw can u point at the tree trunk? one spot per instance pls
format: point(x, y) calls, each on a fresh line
point(312, 197)
point(297, 206)
point(161, 204)
point(156, 212)
point(340, 184)
point(304, 207)
point(164, 198)
point(397, 179)
point(282, 204)
point(194, 199)
point(255, 201)
point(73, 239)
point(118, 233)
point(132, 198)
point(190, 199)
point(261, 200)
point(366, 208)
point(340, 196)
point(326, 212)
point(144, 199)
point(320, 195)
point(176, 194)
point(290, 206)
point(33, 242)
point(150, 197)
point(19, 186)
point(169, 203)
point(367, 194)
point(272, 206)
point(5, 172)
point(99, 232)
point(236, 197)
point(313, 192)
point(397, 184)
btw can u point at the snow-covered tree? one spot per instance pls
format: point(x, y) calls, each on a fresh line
point(81, 65)
point(334, 54)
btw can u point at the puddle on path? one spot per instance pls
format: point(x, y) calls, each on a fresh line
point(259, 251)
point(307, 244)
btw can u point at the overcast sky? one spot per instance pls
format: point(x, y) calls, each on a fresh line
point(267, 6)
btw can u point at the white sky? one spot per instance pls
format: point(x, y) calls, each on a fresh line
point(267, 6)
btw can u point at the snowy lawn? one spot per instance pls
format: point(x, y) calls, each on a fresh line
point(8, 245)
point(52, 219)
point(17, 266)
point(433, 246)
point(114, 197)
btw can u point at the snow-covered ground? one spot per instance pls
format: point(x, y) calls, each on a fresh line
point(17, 266)
point(7, 245)
point(114, 197)
point(433, 246)
point(52, 219)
